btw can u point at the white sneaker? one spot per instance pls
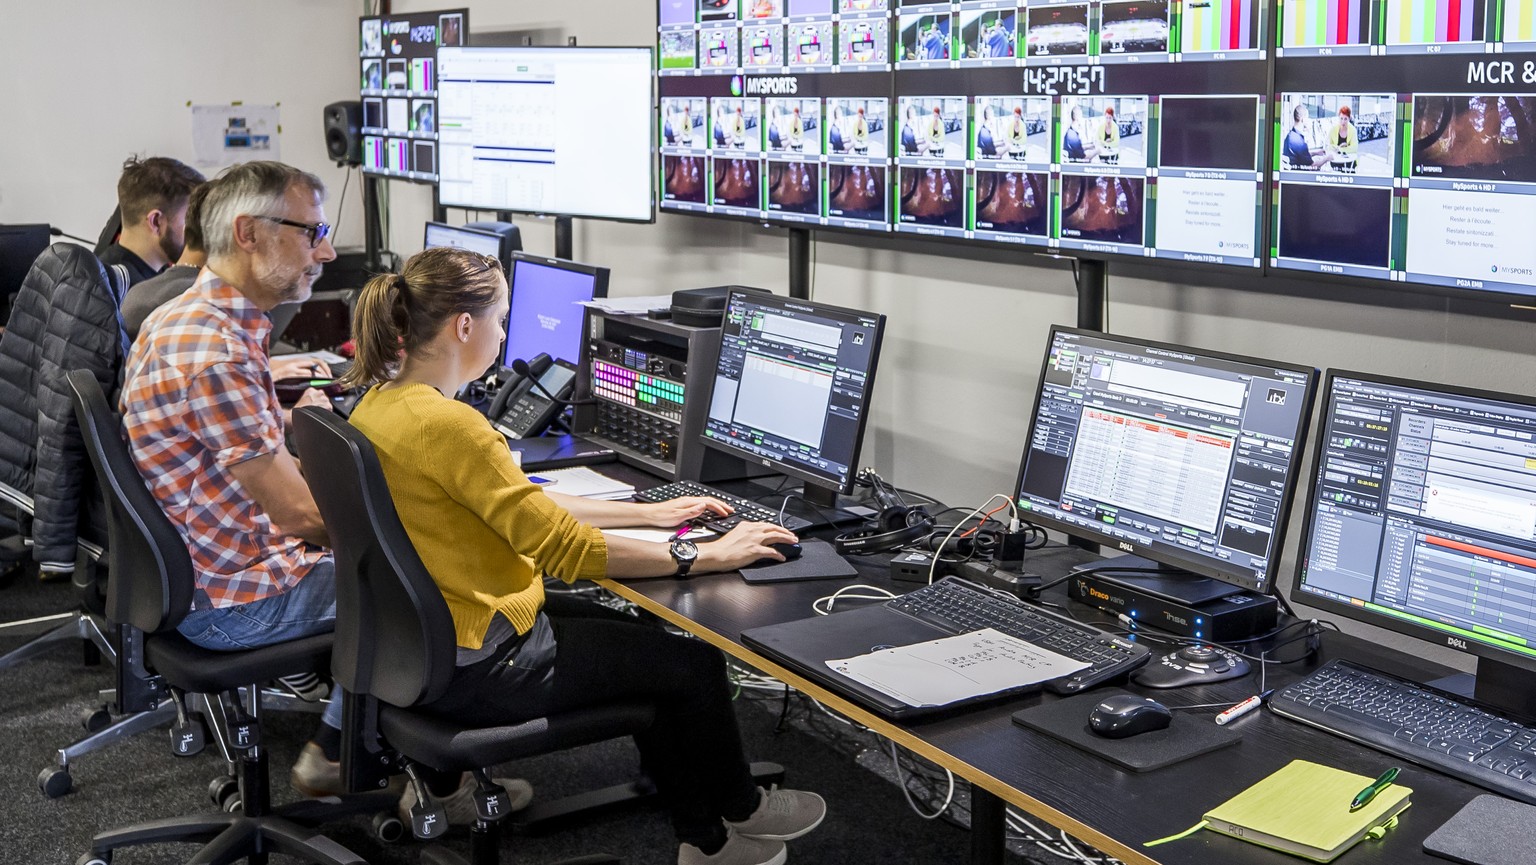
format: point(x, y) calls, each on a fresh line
point(783, 815)
point(460, 804)
point(738, 850)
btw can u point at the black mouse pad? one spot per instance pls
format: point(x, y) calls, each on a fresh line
point(1067, 720)
point(1489, 830)
point(818, 561)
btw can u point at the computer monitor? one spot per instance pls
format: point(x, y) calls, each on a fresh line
point(499, 246)
point(1183, 456)
point(792, 387)
point(1421, 518)
point(546, 311)
point(20, 245)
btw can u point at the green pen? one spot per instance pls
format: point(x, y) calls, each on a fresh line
point(1364, 797)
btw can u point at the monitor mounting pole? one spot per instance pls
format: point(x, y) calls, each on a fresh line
point(1092, 302)
point(373, 224)
point(800, 263)
point(565, 238)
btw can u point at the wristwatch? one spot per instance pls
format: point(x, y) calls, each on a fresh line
point(685, 553)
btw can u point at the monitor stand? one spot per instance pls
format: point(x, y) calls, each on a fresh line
point(1169, 583)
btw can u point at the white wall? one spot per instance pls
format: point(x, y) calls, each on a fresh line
point(87, 83)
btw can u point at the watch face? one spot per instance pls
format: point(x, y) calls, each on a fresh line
point(685, 551)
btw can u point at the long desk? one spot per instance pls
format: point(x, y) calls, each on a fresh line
point(1091, 799)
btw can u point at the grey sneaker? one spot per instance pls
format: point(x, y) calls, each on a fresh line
point(314, 776)
point(460, 804)
point(738, 850)
point(783, 815)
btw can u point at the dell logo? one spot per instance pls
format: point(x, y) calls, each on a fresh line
point(1127, 547)
point(1456, 643)
point(786, 85)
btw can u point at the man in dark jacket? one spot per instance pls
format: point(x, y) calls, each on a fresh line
point(152, 197)
point(143, 298)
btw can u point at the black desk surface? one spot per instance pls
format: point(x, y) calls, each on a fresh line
point(1091, 799)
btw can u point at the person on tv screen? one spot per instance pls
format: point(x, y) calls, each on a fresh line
point(835, 140)
point(488, 535)
point(775, 130)
point(986, 143)
point(935, 133)
point(860, 133)
point(1295, 149)
point(996, 42)
point(796, 130)
point(1343, 143)
point(909, 143)
point(1018, 130)
point(932, 45)
point(1074, 143)
point(738, 129)
point(1109, 137)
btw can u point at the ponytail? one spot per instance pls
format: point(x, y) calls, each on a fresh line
point(398, 313)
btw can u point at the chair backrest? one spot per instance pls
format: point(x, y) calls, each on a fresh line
point(394, 634)
point(152, 577)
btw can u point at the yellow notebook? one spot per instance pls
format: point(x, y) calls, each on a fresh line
point(1304, 809)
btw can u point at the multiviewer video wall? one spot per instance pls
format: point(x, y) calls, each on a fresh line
point(398, 56)
point(1393, 140)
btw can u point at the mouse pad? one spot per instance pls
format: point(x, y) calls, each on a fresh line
point(1067, 720)
point(1489, 830)
point(818, 561)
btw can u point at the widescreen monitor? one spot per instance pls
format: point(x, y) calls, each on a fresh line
point(1183, 456)
point(399, 89)
point(546, 306)
point(498, 245)
point(1421, 518)
point(20, 245)
point(792, 387)
point(560, 131)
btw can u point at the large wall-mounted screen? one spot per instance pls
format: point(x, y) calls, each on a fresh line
point(399, 79)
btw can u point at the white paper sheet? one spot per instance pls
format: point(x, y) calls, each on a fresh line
point(223, 135)
point(631, 305)
point(582, 481)
point(660, 536)
point(940, 672)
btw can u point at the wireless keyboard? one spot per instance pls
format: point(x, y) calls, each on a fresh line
point(746, 510)
point(1427, 726)
point(961, 607)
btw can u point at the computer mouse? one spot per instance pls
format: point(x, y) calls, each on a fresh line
point(1122, 715)
point(790, 552)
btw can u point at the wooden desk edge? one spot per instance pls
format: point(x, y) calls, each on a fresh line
point(1009, 794)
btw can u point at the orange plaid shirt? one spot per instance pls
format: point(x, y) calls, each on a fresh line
point(197, 399)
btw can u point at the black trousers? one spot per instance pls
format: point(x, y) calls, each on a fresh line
point(693, 751)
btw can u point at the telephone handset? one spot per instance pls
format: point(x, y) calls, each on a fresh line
point(523, 410)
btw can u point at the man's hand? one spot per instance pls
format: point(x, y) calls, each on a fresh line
point(743, 545)
point(299, 367)
point(674, 512)
point(314, 396)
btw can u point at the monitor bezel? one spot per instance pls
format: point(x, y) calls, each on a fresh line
point(650, 53)
point(1158, 552)
point(779, 466)
point(1297, 595)
point(502, 241)
point(598, 273)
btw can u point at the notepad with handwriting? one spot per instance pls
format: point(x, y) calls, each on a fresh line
point(1304, 809)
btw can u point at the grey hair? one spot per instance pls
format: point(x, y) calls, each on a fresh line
point(248, 189)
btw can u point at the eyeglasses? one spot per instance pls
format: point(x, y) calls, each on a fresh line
point(317, 231)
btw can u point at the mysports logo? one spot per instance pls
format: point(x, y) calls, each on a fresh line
point(783, 85)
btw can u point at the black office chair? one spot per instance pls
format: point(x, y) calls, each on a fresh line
point(149, 594)
point(395, 651)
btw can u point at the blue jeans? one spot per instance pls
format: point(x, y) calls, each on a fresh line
point(307, 609)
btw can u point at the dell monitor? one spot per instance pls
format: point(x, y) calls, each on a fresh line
point(1421, 518)
point(546, 309)
point(497, 244)
point(792, 387)
point(1182, 456)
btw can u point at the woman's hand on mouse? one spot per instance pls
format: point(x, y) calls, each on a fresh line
point(743, 545)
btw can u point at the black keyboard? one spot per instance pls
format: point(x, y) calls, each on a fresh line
point(960, 606)
point(1418, 723)
point(746, 510)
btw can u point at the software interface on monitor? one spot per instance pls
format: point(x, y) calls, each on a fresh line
point(1166, 448)
point(792, 383)
point(1424, 509)
point(546, 311)
point(458, 238)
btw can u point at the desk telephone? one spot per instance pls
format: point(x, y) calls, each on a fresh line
point(523, 408)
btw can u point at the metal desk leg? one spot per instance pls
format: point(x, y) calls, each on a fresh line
point(989, 828)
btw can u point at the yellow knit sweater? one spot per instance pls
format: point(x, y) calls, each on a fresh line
point(486, 532)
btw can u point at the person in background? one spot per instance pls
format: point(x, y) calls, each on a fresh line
point(152, 196)
point(488, 535)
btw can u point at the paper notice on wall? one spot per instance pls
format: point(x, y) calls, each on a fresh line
point(223, 135)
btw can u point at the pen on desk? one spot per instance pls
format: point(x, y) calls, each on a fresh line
point(1243, 708)
point(1365, 796)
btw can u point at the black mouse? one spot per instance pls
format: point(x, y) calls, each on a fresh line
point(790, 552)
point(1122, 715)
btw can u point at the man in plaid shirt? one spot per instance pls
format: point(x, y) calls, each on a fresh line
point(206, 430)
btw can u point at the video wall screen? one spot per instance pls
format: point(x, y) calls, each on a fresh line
point(1418, 169)
point(399, 78)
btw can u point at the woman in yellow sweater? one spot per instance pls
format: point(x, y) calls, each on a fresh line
point(489, 535)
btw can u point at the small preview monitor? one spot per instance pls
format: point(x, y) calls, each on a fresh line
point(1183, 456)
point(1421, 518)
point(546, 308)
point(497, 239)
point(792, 386)
point(20, 245)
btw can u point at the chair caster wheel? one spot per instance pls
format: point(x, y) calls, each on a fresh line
point(387, 827)
point(224, 791)
point(95, 859)
point(96, 720)
point(55, 781)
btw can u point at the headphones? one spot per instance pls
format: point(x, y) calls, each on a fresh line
point(897, 526)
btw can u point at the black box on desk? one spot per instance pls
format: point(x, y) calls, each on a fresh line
point(1238, 615)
